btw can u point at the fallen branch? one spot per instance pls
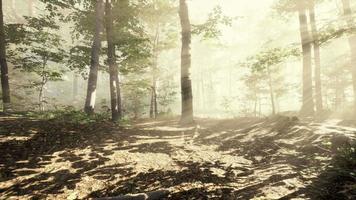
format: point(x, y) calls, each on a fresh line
point(155, 195)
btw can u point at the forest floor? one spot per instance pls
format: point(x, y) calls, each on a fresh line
point(246, 158)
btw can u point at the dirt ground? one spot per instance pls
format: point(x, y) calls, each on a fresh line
point(246, 158)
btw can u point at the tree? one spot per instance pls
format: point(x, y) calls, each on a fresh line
point(301, 8)
point(113, 71)
point(5, 86)
point(254, 82)
point(264, 66)
point(95, 55)
point(316, 45)
point(37, 51)
point(352, 43)
point(308, 102)
point(160, 18)
point(186, 85)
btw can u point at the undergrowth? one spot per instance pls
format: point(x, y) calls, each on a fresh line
point(70, 115)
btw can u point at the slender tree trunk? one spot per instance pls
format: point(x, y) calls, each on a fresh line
point(259, 107)
point(186, 85)
point(94, 64)
point(75, 86)
point(153, 106)
point(5, 86)
point(155, 101)
point(41, 97)
point(111, 61)
point(352, 43)
point(255, 102)
point(118, 89)
point(307, 109)
point(318, 90)
point(271, 91)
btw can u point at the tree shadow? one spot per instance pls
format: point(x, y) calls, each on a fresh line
point(21, 158)
point(199, 176)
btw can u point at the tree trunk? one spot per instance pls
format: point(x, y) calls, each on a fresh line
point(307, 109)
point(255, 104)
point(271, 91)
point(155, 101)
point(75, 86)
point(111, 61)
point(118, 93)
point(318, 90)
point(41, 97)
point(352, 43)
point(94, 64)
point(5, 86)
point(186, 85)
point(153, 106)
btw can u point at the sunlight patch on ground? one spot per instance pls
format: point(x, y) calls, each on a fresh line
point(170, 128)
point(275, 191)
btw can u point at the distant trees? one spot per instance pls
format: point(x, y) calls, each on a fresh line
point(160, 17)
point(265, 70)
point(3, 64)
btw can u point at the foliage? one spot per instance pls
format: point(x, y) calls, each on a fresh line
point(333, 31)
point(167, 95)
point(264, 78)
point(270, 57)
point(79, 59)
point(135, 96)
point(211, 28)
point(70, 115)
point(37, 49)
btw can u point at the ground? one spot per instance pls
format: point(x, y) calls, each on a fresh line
point(245, 158)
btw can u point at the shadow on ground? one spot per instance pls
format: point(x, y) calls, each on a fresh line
point(273, 158)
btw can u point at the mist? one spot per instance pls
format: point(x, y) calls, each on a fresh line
point(177, 99)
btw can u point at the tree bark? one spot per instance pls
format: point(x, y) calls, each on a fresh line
point(113, 72)
point(317, 63)
point(5, 86)
point(94, 64)
point(307, 109)
point(186, 85)
point(352, 43)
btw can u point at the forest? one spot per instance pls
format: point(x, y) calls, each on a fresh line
point(178, 99)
